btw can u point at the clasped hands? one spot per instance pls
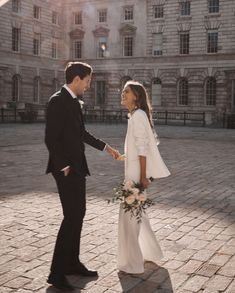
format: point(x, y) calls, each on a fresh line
point(114, 153)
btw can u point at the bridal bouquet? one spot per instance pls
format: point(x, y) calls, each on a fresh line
point(133, 198)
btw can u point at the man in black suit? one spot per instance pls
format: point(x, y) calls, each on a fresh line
point(65, 137)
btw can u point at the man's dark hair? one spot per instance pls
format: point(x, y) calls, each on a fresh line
point(74, 69)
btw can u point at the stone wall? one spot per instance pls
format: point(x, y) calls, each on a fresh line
point(169, 67)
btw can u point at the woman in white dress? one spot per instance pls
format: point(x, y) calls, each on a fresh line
point(136, 241)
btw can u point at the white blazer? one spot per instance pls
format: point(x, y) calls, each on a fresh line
point(140, 140)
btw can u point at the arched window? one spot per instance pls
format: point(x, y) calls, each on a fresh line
point(183, 91)
point(210, 91)
point(16, 88)
point(156, 92)
point(36, 89)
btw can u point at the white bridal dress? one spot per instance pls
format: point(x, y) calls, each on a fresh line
point(136, 241)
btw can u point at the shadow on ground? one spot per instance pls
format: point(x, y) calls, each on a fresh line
point(154, 280)
point(78, 283)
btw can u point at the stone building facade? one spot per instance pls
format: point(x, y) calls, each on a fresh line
point(31, 50)
point(183, 51)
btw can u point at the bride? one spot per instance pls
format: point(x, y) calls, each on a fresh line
point(136, 241)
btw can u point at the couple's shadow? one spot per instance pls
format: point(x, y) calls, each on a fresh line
point(155, 279)
point(79, 283)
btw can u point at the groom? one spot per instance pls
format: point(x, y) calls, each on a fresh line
point(65, 137)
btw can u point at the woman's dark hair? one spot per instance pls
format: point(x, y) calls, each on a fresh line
point(142, 98)
point(74, 69)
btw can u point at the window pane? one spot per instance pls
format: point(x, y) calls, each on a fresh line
point(36, 12)
point(36, 96)
point(128, 46)
point(185, 8)
point(102, 16)
point(15, 39)
point(36, 44)
point(54, 17)
point(157, 44)
point(54, 50)
point(102, 47)
point(213, 6)
point(15, 88)
point(156, 92)
point(128, 13)
point(211, 91)
point(184, 43)
point(158, 11)
point(77, 49)
point(212, 42)
point(16, 5)
point(78, 17)
point(100, 93)
point(183, 92)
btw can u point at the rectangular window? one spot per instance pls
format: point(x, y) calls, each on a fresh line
point(36, 44)
point(78, 17)
point(185, 8)
point(16, 6)
point(157, 44)
point(158, 11)
point(102, 15)
point(183, 92)
point(211, 91)
point(233, 93)
point(100, 93)
point(184, 43)
point(128, 13)
point(54, 50)
point(213, 6)
point(15, 39)
point(77, 49)
point(212, 42)
point(36, 12)
point(102, 47)
point(128, 46)
point(54, 18)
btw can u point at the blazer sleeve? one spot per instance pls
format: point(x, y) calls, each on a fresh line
point(92, 141)
point(55, 121)
point(140, 131)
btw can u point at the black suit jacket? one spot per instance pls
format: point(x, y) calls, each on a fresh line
point(66, 134)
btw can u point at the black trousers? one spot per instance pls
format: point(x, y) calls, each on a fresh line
point(72, 192)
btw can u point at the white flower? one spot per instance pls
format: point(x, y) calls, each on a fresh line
point(130, 199)
point(135, 191)
point(81, 103)
point(128, 185)
point(133, 198)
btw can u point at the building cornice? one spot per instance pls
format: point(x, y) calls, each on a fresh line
point(77, 34)
point(101, 31)
point(127, 29)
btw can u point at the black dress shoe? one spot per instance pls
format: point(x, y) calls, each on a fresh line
point(59, 282)
point(81, 270)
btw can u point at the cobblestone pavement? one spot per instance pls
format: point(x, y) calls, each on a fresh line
point(193, 216)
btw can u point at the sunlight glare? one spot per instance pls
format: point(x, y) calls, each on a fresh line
point(2, 2)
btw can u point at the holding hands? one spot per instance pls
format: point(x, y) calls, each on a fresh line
point(113, 152)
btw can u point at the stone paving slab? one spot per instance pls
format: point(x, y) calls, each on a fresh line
point(193, 216)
